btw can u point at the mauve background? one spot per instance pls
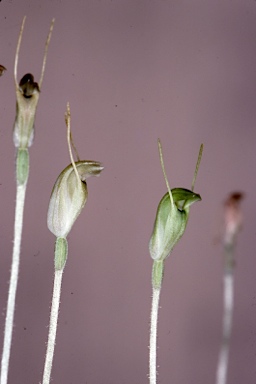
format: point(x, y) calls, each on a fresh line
point(133, 71)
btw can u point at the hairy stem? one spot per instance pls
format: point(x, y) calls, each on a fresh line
point(53, 326)
point(20, 200)
point(61, 252)
point(153, 335)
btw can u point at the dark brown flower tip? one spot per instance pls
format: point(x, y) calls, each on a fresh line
point(234, 198)
point(232, 217)
point(27, 85)
point(2, 70)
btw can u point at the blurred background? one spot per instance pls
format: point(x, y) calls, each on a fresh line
point(132, 71)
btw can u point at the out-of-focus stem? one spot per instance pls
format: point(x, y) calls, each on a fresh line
point(228, 304)
point(233, 224)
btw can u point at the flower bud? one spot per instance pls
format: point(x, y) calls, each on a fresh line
point(171, 220)
point(27, 96)
point(69, 196)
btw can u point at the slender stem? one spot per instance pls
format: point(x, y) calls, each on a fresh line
point(53, 326)
point(228, 302)
point(20, 199)
point(153, 335)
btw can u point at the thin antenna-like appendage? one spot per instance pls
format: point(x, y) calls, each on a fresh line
point(67, 119)
point(197, 165)
point(74, 147)
point(17, 52)
point(45, 52)
point(163, 168)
